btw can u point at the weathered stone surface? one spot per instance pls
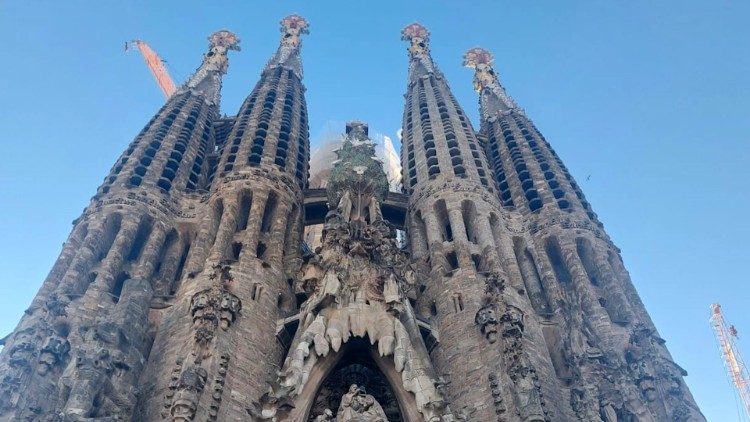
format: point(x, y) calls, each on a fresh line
point(184, 291)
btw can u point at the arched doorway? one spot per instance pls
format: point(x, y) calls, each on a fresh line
point(356, 367)
point(357, 361)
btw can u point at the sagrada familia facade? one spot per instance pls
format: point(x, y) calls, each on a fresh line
point(184, 291)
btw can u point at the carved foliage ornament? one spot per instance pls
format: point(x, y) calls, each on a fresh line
point(214, 307)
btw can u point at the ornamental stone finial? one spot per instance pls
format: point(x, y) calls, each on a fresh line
point(206, 80)
point(480, 60)
point(418, 36)
point(219, 44)
point(493, 98)
point(287, 56)
point(292, 27)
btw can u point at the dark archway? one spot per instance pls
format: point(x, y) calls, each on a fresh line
point(356, 368)
point(357, 361)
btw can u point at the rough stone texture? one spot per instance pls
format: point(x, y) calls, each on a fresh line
point(185, 292)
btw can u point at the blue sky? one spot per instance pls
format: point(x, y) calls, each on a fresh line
point(649, 98)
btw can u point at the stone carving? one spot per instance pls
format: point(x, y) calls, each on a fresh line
point(527, 388)
point(53, 352)
point(487, 322)
point(584, 403)
point(512, 322)
point(87, 388)
point(174, 382)
point(327, 415)
point(214, 307)
point(23, 350)
point(651, 372)
point(211, 308)
point(189, 387)
point(100, 380)
point(497, 396)
point(355, 286)
point(358, 406)
point(218, 386)
point(369, 379)
point(637, 358)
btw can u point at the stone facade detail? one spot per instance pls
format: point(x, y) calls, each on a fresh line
point(185, 291)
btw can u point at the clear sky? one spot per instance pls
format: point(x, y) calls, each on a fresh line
point(648, 98)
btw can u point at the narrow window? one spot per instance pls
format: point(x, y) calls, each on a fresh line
point(558, 264)
point(245, 204)
point(236, 250)
point(117, 288)
point(452, 260)
point(260, 250)
point(458, 302)
point(265, 226)
point(256, 291)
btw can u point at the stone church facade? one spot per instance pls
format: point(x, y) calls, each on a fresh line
point(185, 292)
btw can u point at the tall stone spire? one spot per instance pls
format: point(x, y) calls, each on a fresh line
point(279, 94)
point(206, 80)
point(170, 150)
point(419, 50)
point(185, 293)
point(573, 276)
point(287, 56)
point(437, 136)
point(457, 237)
point(493, 98)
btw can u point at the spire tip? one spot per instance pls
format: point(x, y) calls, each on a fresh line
point(415, 30)
point(225, 39)
point(292, 27)
point(476, 57)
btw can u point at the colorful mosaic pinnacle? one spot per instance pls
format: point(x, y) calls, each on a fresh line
point(477, 56)
point(226, 39)
point(292, 27)
point(415, 30)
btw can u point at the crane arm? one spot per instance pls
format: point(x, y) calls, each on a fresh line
point(736, 368)
point(156, 65)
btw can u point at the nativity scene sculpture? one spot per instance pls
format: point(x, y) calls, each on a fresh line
point(356, 285)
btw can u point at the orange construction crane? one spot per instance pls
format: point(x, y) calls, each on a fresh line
point(738, 374)
point(156, 65)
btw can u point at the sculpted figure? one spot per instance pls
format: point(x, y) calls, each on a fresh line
point(86, 384)
point(23, 350)
point(344, 208)
point(527, 392)
point(199, 305)
point(229, 308)
point(512, 321)
point(358, 406)
point(374, 208)
point(326, 416)
point(487, 322)
point(191, 384)
point(53, 351)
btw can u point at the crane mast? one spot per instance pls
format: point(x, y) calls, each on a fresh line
point(156, 65)
point(736, 368)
